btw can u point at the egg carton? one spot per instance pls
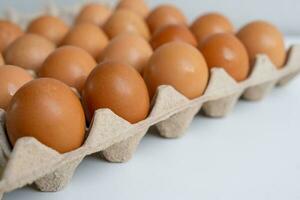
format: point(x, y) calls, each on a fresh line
point(114, 138)
point(117, 140)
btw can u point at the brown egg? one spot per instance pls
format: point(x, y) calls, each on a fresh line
point(164, 15)
point(224, 50)
point(11, 79)
point(128, 48)
point(209, 24)
point(1, 59)
point(137, 6)
point(69, 64)
point(126, 21)
point(180, 65)
point(49, 111)
point(88, 37)
point(119, 87)
point(172, 33)
point(49, 27)
point(261, 37)
point(94, 13)
point(28, 51)
point(8, 33)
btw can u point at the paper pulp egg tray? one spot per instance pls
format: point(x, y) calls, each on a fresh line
point(116, 139)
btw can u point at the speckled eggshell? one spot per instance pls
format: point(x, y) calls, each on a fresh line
point(164, 15)
point(137, 6)
point(69, 64)
point(11, 79)
point(180, 65)
point(126, 21)
point(49, 111)
point(260, 37)
point(119, 87)
point(94, 13)
point(172, 33)
point(29, 51)
point(9, 32)
point(226, 51)
point(209, 24)
point(128, 48)
point(50, 27)
point(88, 37)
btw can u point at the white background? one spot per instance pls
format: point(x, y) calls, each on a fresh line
point(284, 13)
point(253, 154)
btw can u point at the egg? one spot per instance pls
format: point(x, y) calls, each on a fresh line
point(128, 48)
point(172, 33)
point(260, 37)
point(209, 24)
point(11, 79)
point(49, 111)
point(50, 27)
point(1, 59)
point(88, 37)
point(164, 15)
point(120, 88)
point(126, 21)
point(226, 51)
point(70, 65)
point(29, 51)
point(137, 6)
point(180, 65)
point(9, 32)
point(94, 13)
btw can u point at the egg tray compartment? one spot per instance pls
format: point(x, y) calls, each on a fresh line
point(116, 139)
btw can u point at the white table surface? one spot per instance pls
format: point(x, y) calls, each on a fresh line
point(251, 154)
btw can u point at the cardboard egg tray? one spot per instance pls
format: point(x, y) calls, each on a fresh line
point(116, 139)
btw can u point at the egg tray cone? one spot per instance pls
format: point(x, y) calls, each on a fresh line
point(116, 139)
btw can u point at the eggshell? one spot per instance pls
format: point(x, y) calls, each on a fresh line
point(1, 59)
point(126, 21)
point(226, 51)
point(70, 65)
point(137, 6)
point(128, 48)
point(94, 13)
point(28, 51)
point(164, 15)
point(9, 32)
point(119, 87)
point(50, 27)
point(172, 33)
point(11, 79)
point(180, 65)
point(49, 111)
point(260, 37)
point(209, 24)
point(88, 37)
